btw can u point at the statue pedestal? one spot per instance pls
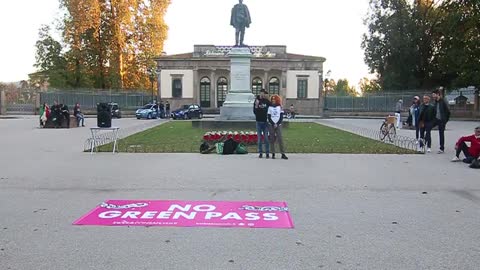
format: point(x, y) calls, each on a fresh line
point(238, 104)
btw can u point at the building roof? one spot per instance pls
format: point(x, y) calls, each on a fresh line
point(270, 52)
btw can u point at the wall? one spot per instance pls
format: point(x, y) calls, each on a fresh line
point(313, 83)
point(166, 83)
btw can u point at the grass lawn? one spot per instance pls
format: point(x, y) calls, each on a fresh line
point(180, 137)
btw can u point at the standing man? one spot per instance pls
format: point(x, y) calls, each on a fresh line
point(77, 112)
point(260, 109)
point(240, 20)
point(442, 116)
point(398, 111)
point(167, 108)
point(162, 110)
point(426, 120)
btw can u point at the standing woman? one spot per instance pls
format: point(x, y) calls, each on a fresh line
point(44, 114)
point(275, 119)
point(415, 113)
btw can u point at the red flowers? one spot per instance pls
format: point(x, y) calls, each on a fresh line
point(248, 137)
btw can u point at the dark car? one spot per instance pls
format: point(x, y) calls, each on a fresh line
point(188, 112)
point(149, 111)
point(115, 109)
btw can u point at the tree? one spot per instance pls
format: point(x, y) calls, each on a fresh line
point(369, 86)
point(111, 43)
point(423, 43)
point(342, 88)
point(49, 58)
point(458, 59)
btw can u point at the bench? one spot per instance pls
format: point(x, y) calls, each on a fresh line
point(73, 123)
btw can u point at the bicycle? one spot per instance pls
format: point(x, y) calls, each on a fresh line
point(387, 129)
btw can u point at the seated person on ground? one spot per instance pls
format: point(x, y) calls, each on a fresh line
point(471, 153)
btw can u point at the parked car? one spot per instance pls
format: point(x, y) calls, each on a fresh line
point(188, 112)
point(116, 113)
point(149, 111)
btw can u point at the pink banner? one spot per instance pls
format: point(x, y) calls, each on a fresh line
point(189, 214)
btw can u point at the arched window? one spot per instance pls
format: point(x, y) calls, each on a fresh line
point(222, 90)
point(274, 86)
point(205, 87)
point(257, 85)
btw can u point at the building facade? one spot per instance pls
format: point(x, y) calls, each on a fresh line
point(203, 77)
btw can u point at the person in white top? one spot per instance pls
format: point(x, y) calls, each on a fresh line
point(275, 119)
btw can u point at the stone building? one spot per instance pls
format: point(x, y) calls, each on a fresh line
point(203, 77)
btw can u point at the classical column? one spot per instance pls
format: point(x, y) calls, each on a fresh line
point(321, 95)
point(196, 87)
point(213, 89)
point(283, 85)
point(159, 84)
point(3, 103)
point(265, 79)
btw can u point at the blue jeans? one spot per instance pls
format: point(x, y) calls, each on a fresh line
point(262, 128)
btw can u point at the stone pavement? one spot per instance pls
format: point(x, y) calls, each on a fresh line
point(349, 211)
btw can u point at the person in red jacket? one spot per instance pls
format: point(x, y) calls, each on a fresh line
point(471, 153)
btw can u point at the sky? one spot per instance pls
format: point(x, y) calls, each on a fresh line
point(329, 28)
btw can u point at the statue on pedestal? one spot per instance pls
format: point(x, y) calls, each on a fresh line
point(240, 20)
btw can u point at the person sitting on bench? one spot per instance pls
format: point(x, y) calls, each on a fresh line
point(471, 153)
point(65, 113)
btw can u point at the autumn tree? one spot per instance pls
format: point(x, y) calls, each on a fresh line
point(111, 43)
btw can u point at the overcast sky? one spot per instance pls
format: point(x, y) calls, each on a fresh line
point(329, 28)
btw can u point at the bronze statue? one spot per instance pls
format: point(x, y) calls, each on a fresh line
point(240, 20)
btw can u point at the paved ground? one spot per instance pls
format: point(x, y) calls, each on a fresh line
point(350, 211)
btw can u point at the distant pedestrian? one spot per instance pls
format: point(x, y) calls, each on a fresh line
point(442, 116)
point(260, 109)
point(415, 115)
point(398, 113)
point(275, 119)
point(44, 114)
point(162, 109)
point(167, 110)
point(426, 121)
point(292, 111)
point(77, 112)
point(471, 153)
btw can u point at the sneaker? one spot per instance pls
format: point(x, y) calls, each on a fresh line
point(273, 156)
point(260, 156)
point(268, 156)
point(429, 150)
point(456, 159)
point(440, 152)
point(284, 157)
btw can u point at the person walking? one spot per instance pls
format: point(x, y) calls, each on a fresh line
point(260, 109)
point(442, 116)
point(471, 153)
point(398, 113)
point(275, 119)
point(77, 112)
point(426, 122)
